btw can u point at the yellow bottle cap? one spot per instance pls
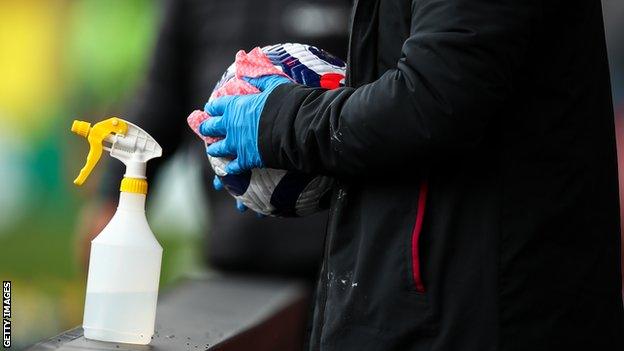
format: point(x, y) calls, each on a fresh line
point(133, 185)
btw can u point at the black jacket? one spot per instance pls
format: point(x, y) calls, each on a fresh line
point(477, 198)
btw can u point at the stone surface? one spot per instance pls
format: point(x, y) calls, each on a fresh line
point(218, 312)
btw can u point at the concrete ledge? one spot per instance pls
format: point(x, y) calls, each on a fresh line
point(218, 312)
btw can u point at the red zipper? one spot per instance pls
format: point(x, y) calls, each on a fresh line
point(420, 214)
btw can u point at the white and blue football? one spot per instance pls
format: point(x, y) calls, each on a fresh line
point(275, 192)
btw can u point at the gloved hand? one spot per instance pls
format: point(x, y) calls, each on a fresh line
point(236, 117)
point(218, 185)
point(240, 206)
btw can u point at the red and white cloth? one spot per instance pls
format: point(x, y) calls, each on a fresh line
point(253, 64)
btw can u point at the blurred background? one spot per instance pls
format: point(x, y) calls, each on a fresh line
point(61, 60)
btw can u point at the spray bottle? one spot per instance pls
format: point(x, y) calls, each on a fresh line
point(124, 264)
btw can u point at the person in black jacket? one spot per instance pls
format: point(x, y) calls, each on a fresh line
point(476, 205)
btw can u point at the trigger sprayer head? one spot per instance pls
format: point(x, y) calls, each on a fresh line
point(96, 135)
point(126, 142)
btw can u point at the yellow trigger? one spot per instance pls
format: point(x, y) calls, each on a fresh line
point(96, 135)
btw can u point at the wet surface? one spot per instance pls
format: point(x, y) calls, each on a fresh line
point(199, 314)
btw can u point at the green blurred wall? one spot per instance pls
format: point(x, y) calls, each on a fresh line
point(60, 60)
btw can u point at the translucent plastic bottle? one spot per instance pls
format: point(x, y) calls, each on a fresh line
point(124, 270)
point(124, 266)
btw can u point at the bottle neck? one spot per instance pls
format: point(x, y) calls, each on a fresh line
point(135, 169)
point(131, 201)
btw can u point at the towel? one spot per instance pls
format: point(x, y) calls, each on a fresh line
point(253, 64)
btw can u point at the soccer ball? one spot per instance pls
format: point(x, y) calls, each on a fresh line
point(277, 192)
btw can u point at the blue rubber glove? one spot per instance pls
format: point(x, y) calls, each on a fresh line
point(218, 185)
point(240, 206)
point(236, 117)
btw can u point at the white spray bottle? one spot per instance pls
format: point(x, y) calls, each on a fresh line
point(124, 265)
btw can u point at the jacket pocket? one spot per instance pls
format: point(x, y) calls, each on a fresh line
point(417, 278)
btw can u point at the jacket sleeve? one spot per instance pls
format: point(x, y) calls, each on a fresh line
point(455, 72)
